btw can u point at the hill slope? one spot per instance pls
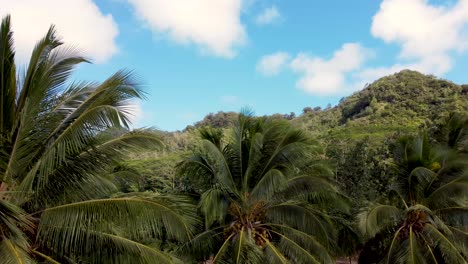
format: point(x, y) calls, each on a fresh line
point(400, 102)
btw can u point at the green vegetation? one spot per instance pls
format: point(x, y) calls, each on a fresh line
point(423, 217)
point(58, 145)
point(380, 178)
point(264, 194)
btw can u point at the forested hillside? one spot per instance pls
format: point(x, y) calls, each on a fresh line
point(400, 102)
point(358, 130)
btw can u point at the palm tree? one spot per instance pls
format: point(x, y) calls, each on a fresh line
point(425, 217)
point(452, 132)
point(58, 141)
point(263, 197)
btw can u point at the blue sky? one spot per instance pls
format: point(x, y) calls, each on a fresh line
point(202, 56)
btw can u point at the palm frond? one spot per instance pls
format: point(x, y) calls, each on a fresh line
point(220, 254)
point(378, 217)
point(14, 222)
point(222, 172)
point(150, 215)
point(214, 206)
point(454, 216)
point(13, 254)
point(112, 248)
point(305, 218)
point(295, 252)
point(273, 181)
point(408, 250)
point(245, 250)
point(213, 135)
point(80, 171)
point(273, 255)
point(419, 181)
point(449, 194)
point(7, 78)
point(206, 243)
point(305, 241)
point(32, 88)
point(315, 188)
point(450, 250)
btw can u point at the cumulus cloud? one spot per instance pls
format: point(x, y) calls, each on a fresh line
point(428, 34)
point(326, 77)
point(80, 23)
point(213, 25)
point(268, 16)
point(429, 37)
point(272, 64)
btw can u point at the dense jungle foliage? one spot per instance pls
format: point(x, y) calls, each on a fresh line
point(380, 178)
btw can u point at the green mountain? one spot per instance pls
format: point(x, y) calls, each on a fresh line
point(402, 102)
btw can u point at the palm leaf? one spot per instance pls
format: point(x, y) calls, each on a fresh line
point(245, 250)
point(451, 251)
point(7, 78)
point(214, 206)
point(268, 185)
point(13, 254)
point(378, 217)
point(295, 252)
point(149, 216)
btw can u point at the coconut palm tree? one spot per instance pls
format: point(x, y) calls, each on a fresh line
point(425, 218)
point(263, 196)
point(452, 132)
point(58, 141)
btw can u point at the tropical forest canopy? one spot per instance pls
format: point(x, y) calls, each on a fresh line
point(382, 177)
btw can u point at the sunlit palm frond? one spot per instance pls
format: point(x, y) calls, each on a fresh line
point(149, 215)
point(71, 178)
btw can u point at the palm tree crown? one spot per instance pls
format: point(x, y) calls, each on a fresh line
point(57, 143)
point(263, 198)
point(425, 217)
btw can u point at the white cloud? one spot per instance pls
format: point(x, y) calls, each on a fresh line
point(429, 37)
point(213, 25)
point(80, 23)
point(427, 34)
point(326, 77)
point(268, 16)
point(272, 64)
